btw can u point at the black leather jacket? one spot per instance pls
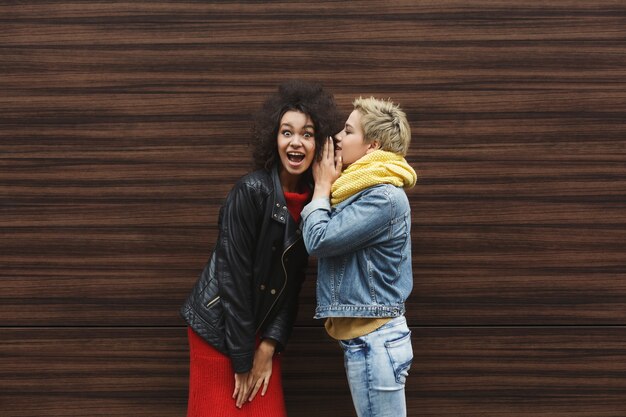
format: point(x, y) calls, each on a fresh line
point(251, 283)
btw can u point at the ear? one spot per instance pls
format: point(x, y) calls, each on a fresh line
point(372, 146)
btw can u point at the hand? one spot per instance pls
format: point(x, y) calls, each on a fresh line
point(261, 368)
point(241, 388)
point(327, 169)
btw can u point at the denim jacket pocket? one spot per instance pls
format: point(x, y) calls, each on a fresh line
point(400, 353)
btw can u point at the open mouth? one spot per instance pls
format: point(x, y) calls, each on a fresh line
point(295, 157)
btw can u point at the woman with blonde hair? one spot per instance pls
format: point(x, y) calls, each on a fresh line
point(358, 225)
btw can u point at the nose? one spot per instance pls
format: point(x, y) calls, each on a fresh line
point(296, 140)
point(337, 142)
point(339, 136)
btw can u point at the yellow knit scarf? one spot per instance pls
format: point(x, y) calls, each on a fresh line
point(378, 167)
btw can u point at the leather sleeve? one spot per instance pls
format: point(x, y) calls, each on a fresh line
point(239, 218)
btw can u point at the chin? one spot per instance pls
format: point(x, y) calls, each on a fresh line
point(296, 171)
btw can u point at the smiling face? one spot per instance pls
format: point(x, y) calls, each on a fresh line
point(296, 146)
point(351, 140)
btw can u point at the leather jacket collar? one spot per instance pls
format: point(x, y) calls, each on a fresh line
point(281, 214)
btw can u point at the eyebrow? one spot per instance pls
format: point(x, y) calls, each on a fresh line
point(289, 125)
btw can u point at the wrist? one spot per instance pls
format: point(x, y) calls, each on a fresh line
point(322, 190)
point(268, 346)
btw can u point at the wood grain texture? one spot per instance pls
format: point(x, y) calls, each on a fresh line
point(110, 145)
point(124, 124)
point(456, 372)
point(519, 371)
point(93, 372)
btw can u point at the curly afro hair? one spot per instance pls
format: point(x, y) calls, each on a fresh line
point(306, 97)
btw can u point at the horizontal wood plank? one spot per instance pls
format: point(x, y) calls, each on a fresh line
point(456, 372)
point(123, 126)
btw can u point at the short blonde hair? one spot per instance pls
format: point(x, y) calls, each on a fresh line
point(385, 122)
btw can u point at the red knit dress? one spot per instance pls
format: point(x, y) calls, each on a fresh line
point(212, 378)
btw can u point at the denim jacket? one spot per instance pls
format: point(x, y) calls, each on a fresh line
point(363, 246)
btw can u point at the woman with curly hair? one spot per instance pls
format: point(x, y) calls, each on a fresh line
point(242, 309)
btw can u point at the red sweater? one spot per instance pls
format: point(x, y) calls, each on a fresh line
point(296, 202)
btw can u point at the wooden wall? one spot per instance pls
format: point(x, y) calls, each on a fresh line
point(123, 125)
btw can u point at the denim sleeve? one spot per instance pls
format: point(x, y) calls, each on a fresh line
point(353, 227)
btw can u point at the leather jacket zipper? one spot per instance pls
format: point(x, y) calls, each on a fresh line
point(282, 289)
point(212, 302)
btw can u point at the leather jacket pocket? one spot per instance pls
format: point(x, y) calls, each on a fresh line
point(212, 308)
point(213, 311)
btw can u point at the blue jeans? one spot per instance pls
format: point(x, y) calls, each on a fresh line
point(377, 365)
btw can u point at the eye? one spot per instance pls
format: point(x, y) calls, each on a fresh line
point(286, 133)
point(308, 135)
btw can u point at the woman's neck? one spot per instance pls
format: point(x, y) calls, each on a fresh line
point(289, 182)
